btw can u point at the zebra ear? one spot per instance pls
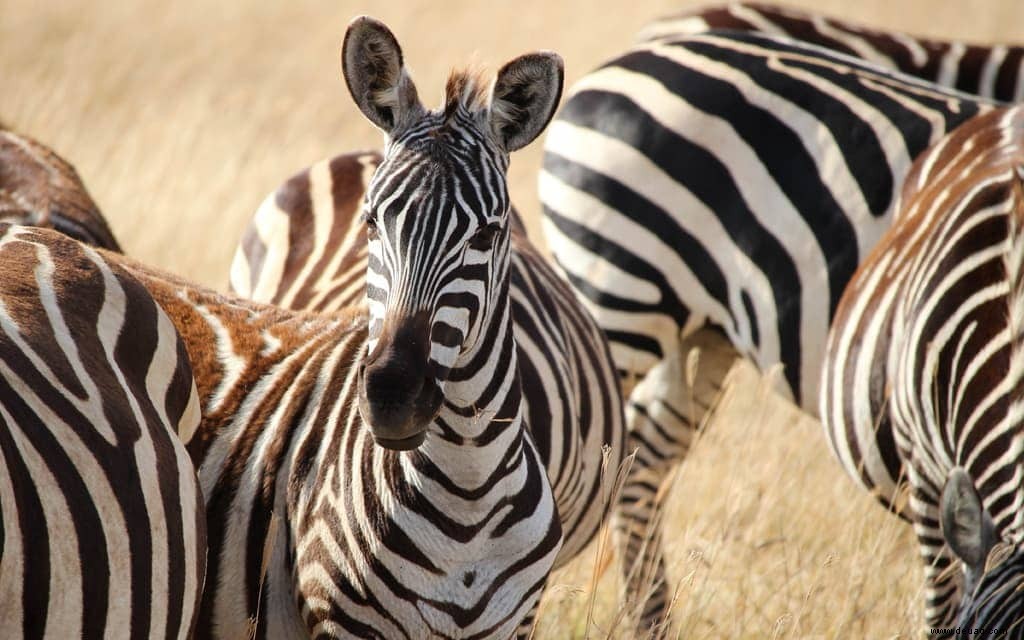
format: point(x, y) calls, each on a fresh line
point(524, 98)
point(375, 73)
point(966, 525)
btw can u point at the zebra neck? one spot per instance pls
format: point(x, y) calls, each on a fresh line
point(481, 420)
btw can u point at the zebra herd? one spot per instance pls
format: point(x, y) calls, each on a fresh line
point(402, 417)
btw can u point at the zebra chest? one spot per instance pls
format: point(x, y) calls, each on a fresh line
point(418, 583)
point(401, 564)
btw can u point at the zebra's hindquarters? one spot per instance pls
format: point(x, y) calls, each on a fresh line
point(923, 370)
point(733, 180)
point(103, 526)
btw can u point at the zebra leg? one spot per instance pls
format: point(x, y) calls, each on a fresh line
point(664, 411)
point(942, 573)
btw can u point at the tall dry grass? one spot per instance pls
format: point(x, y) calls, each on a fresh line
point(182, 116)
point(765, 538)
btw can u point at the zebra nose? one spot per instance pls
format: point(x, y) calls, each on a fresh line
point(391, 390)
point(397, 398)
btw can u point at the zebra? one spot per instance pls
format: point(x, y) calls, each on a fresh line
point(102, 528)
point(928, 346)
point(990, 71)
point(305, 249)
point(40, 188)
point(371, 471)
point(718, 191)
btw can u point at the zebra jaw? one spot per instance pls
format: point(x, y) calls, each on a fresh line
point(401, 444)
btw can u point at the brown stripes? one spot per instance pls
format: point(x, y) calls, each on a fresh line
point(282, 358)
point(104, 457)
point(945, 368)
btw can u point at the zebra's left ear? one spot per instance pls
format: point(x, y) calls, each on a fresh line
point(525, 95)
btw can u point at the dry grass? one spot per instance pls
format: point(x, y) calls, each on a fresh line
point(766, 539)
point(182, 116)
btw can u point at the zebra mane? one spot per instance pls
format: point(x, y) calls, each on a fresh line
point(466, 88)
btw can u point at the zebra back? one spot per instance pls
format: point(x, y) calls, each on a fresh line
point(989, 71)
point(303, 248)
point(732, 180)
point(41, 189)
point(101, 516)
point(924, 366)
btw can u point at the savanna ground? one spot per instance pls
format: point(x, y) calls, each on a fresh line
point(181, 116)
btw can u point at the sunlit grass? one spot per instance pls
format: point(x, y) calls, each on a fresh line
point(766, 538)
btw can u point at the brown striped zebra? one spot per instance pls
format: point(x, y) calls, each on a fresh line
point(39, 188)
point(928, 347)
point(102, 532)
point(989, 71)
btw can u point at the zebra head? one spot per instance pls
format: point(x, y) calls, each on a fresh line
point(993, 596)
point(437, 218)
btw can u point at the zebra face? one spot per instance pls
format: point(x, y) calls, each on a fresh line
point(437, 213)
point(436, 266)
point(993, 590)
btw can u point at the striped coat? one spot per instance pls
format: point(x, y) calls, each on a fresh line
point(318, 526)
point(295, 488)
point(102, 531)
point(303, 253)
point(731, 181)
point(925, 370)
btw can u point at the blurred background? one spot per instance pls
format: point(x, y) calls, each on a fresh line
point(181, 116)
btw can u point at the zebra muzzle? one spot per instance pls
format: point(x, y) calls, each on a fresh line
point(398, 396)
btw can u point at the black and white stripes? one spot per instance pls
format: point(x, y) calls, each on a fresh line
point(730, 180)
point(393, 488)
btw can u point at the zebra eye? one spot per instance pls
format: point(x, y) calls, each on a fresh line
point(484, 237)
point(371, 226)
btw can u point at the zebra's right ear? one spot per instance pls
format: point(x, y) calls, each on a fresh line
point(371, 62)
point(525, 96)
point(966, 525)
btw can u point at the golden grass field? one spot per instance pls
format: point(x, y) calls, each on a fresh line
point(181, 116)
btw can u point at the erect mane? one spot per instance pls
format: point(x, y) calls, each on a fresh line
point(465, 87)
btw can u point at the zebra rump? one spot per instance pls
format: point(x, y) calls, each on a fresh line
point(927, 353)
point(41, 189)
point(102, 530)
point(730, 180)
